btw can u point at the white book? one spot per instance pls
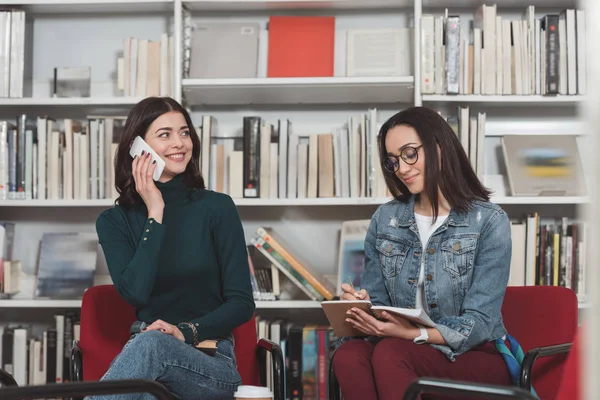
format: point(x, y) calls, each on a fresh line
point(42, 129)
point(507, 51)
point(354, 156)
point(84, 159)
point(76, 164)
point(531, 250)
point(302, 170)
point(427, 54)
point(538, 57)
point(313, 167)
point(165, 71)
point(28, 164)
point(481, 118)
point(344, 161)
point(273, 164)
point(379, 52)
point(60, 346)
point(17, 53)
point(438, 54)
point(499, 57)
point(20, 370)
point(205, 142)
point(109, 181)
point(5, 41)
point(284, 131)
point(93, 152)
point(571, 38)
point(581, 52)
point(265, 160)
point(3, 161)
point(133, 65)
point(101, 158)
point(292, 172)
point(517, 53)
point(236, 174)
point(337, 164)
point(68, 160)
point(477, 61)
point(518, 235)
point(562, 57)
point(142, 68)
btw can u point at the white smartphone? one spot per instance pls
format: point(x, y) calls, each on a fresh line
point(140, 144)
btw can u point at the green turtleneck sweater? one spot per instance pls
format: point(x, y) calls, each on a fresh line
point(192, 267)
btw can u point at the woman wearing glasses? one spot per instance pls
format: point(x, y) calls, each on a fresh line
point(441, 246)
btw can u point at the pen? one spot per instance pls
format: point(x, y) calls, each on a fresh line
point(351, 284)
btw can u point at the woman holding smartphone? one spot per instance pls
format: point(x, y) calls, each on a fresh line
point(177, 253)
point(441, 246)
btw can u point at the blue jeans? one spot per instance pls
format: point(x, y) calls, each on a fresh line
point(187, 372)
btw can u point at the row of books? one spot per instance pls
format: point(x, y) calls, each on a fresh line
point(551, 252)
point(297, 46)
point(39, 159)
point(12, 53)
point(470, 130)
point(39, 359)
point(146, 67)
point(272, 161)
point(497, 56)
point(307, 351)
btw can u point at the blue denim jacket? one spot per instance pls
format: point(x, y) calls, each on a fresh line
point(467, 263)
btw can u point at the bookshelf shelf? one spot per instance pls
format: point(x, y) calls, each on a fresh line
point(289, 304)
point(68, 101)
point(502, 4)
point(328, 90)
point(506, 101)
point(328, 201)
point(267, 5)
point(90, 6)
point(42, 303)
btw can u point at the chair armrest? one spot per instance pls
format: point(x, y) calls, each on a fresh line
point(277, 363)
point(76, 369)
point(81, 389)
point(464, 390)
point(7, 379)
point(534, 354)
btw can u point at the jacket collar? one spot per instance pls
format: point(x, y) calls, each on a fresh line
point(407, 218)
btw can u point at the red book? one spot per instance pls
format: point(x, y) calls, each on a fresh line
point(301, 46)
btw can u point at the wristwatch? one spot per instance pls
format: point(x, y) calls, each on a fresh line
point(423, 337)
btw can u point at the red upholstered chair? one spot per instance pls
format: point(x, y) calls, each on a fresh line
point(105, 322)
point(544, 321)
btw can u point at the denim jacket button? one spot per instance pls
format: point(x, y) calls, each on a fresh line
point(433, 305)
point(431, 250)
point(388, 248)
point(456, 246)
point(429, 277)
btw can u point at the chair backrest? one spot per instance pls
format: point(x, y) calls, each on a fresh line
point(542, 316)
point(105, 322)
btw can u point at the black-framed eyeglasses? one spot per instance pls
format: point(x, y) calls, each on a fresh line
point(409, 155)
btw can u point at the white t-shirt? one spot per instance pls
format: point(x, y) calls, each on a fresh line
point(426, 229)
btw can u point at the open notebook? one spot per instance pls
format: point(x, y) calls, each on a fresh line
point(336, 310)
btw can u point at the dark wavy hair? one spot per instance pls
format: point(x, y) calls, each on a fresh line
point(455, 176)
point(138, 121)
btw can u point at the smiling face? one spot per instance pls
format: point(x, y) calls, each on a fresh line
point(169, 137)
point(397, 140)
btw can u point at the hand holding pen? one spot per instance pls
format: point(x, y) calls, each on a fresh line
point(350, 293)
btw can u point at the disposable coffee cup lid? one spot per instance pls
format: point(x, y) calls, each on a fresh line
point(253, 392)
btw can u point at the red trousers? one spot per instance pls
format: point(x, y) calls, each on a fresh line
point(369, 371)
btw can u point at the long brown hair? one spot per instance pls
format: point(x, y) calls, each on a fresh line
point(138, 121)
point(454, 177)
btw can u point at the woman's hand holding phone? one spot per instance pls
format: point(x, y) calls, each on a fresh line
point(142, 169)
